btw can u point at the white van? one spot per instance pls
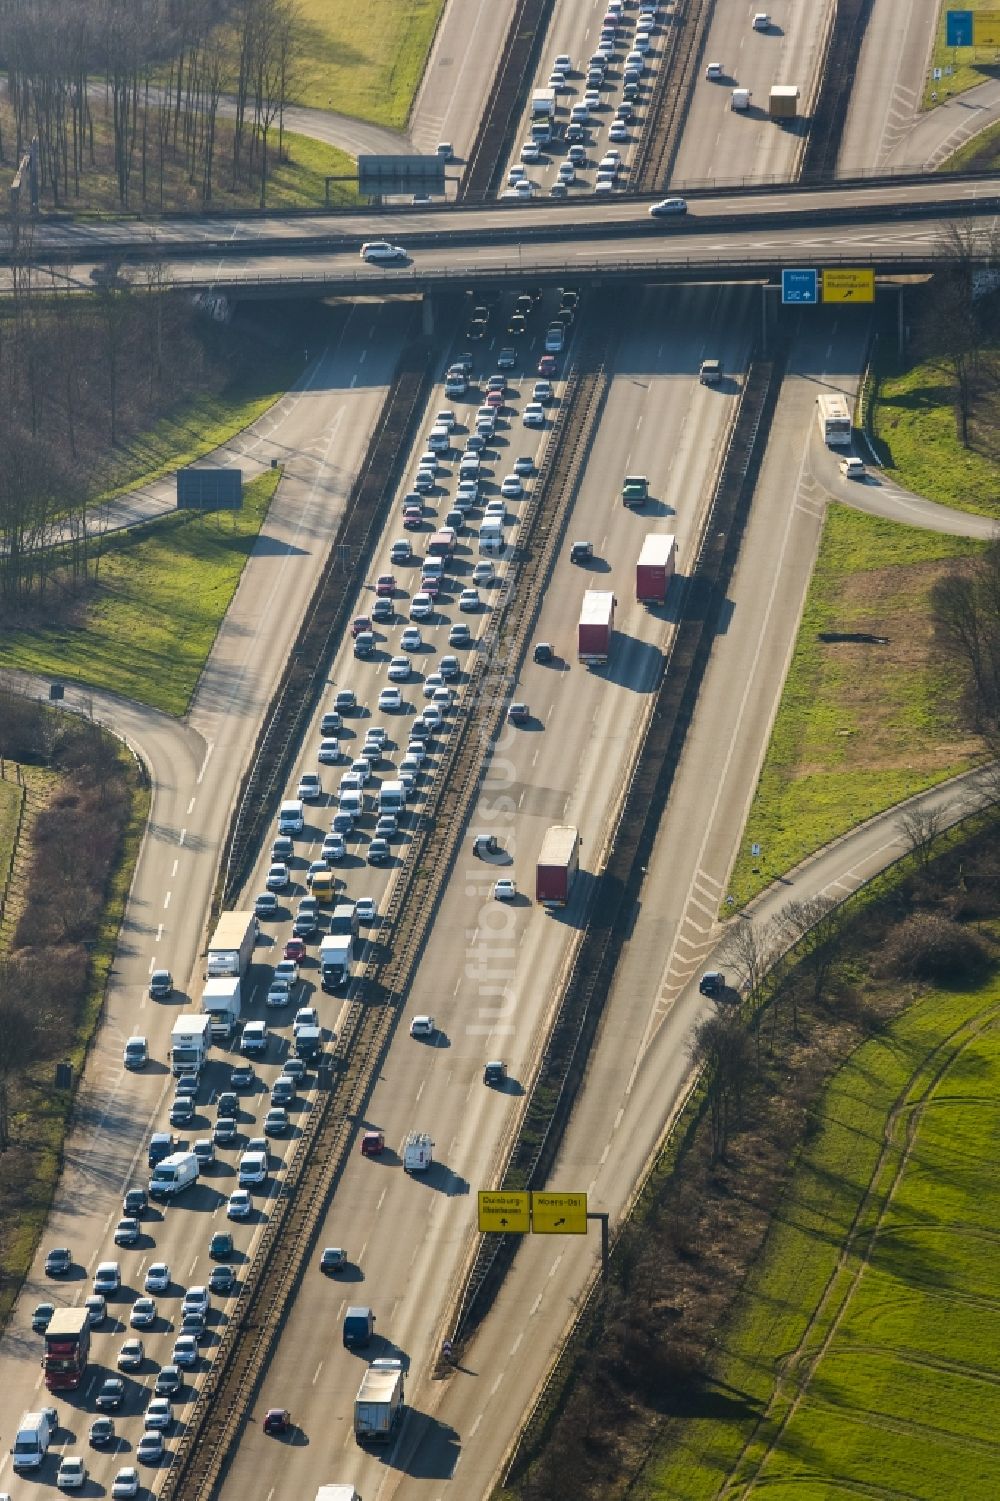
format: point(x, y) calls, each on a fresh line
point(173, 1175)
point(417, 1153)
point(33, 1437)
point(555, 335)
point(491, 538)
point(440, 439)
point(291, 817)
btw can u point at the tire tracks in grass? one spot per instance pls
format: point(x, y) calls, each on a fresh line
point(800, 1365)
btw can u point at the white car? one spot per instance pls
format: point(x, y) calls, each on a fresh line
point(422, 1026)
point(125, 1483)
point(185, 1352)
point(761, 21)
point(512, 487)
point(483, 574)
point(605, 183)
point(643, 41)
point(379, 251)
point(534, 413)
point(411, 640)
point(72, 1474)
point(107, 1278)
point(853, 468)
point(432, 716)
point(714, 72)
point(365, 909)
point(564, 61)
point(238, 1208)
point(431, 681)
point(443, 697)
point(567, 171)
point(468, 600)
point(505, 890)
point(524, 465)
point(157, 1277)
point(496, 509)
point(515, 175)
point(530, 151)
point(667, 207)
point(524, 188)
point(618, 131)
point(252, 1168)
point(421, 606)
point(158, 1415)
point(329, 751)
point(390, 698)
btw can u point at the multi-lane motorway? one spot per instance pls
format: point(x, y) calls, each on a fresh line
point(490, 971)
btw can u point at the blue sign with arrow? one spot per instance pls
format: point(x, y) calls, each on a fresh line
point(800, 286)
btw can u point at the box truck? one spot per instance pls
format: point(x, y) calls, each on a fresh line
point(379, 1401)
point(417, 1152)
point(558, 862)
point(231, 948)
point(189, 1043)
point(67, 1345)
point(335, 960)
point(221, 1002)
point(783, 101)
point(173, 1175)
point(543, 104)
point(597, 621)
point(655, 567)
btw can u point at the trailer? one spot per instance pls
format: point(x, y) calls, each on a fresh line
point(67, 1345)
point(783, 101)
point(558, 862)
point(655, 567)
point(221, 1001)
point(597, 621)
point(379, 1402)
point(231, 948)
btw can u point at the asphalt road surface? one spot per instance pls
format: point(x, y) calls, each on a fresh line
point(320, 437)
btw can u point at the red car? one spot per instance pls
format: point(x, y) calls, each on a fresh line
point(431, 586)
point(277, 1420)
point(295, 949)
point(412, 518)
point(372, 1143)
point(385, 586)
point(547, 364)
point(494, 399)
point(358, 624)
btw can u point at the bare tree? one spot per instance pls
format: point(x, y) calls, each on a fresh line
point(921, 826)
point(966, 609)
point(816, 927)
point(721, 1044)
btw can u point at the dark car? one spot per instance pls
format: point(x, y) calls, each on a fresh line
point(58, 1262)
point(134, 1203)
point(495, 1072)
point(161, 984)
point(112, 1394)
point(220, 1247)
point(221, 1279)
point(372, 1143)
point(127, 1232)
point(102, 1433)
point(277, 1420)
point(40, 1317)
point(161, 1144)
point(242, 1076)
point(543, 652)
point(713, 982)
point(332, 1259)
point(168, 1381)
point(295, 947)
point(581, 552)
point(518, 713)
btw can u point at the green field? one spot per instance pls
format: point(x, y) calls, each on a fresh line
point(149, 624)
point(913, 421)
point(860, 727)
point(365, 60)
point(864, 1356)
point(970, 65)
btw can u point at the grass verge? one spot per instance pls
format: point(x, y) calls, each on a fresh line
point(366, 60)
point(10, 804)
point(145, 629)
point(877, 1285)
point(969, 65)
point(860, 727)
point(913, 422)
point(980, 154)
point(40, 1113)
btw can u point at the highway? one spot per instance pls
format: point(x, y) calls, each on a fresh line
point(489, 975)
point(320, 434)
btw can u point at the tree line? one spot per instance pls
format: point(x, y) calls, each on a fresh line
point(147, 92)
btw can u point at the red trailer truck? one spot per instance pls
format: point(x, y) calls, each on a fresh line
point(558, 861)
point(67, 1344)
point(655, 567)
point(597, 621)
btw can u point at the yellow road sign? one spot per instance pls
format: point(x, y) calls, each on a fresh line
point(986, 29)
point(504, 1213)
point(849, 284)
point(559, 1214)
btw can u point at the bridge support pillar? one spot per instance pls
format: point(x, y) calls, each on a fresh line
point(427, 314)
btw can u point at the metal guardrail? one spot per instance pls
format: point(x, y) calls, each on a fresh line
point(514, 75)
point(826, 129)
point(673, 88)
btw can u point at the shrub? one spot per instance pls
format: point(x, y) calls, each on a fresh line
point(928, 946)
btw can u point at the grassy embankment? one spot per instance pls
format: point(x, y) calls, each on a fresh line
point(148, 625)
point(367, 60)
point(877, 1286)
point(971, 65)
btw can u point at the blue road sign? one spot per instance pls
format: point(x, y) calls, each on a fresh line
point(958, 26)
point(800, 286)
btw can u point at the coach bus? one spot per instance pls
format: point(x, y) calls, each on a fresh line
point(834, 418)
